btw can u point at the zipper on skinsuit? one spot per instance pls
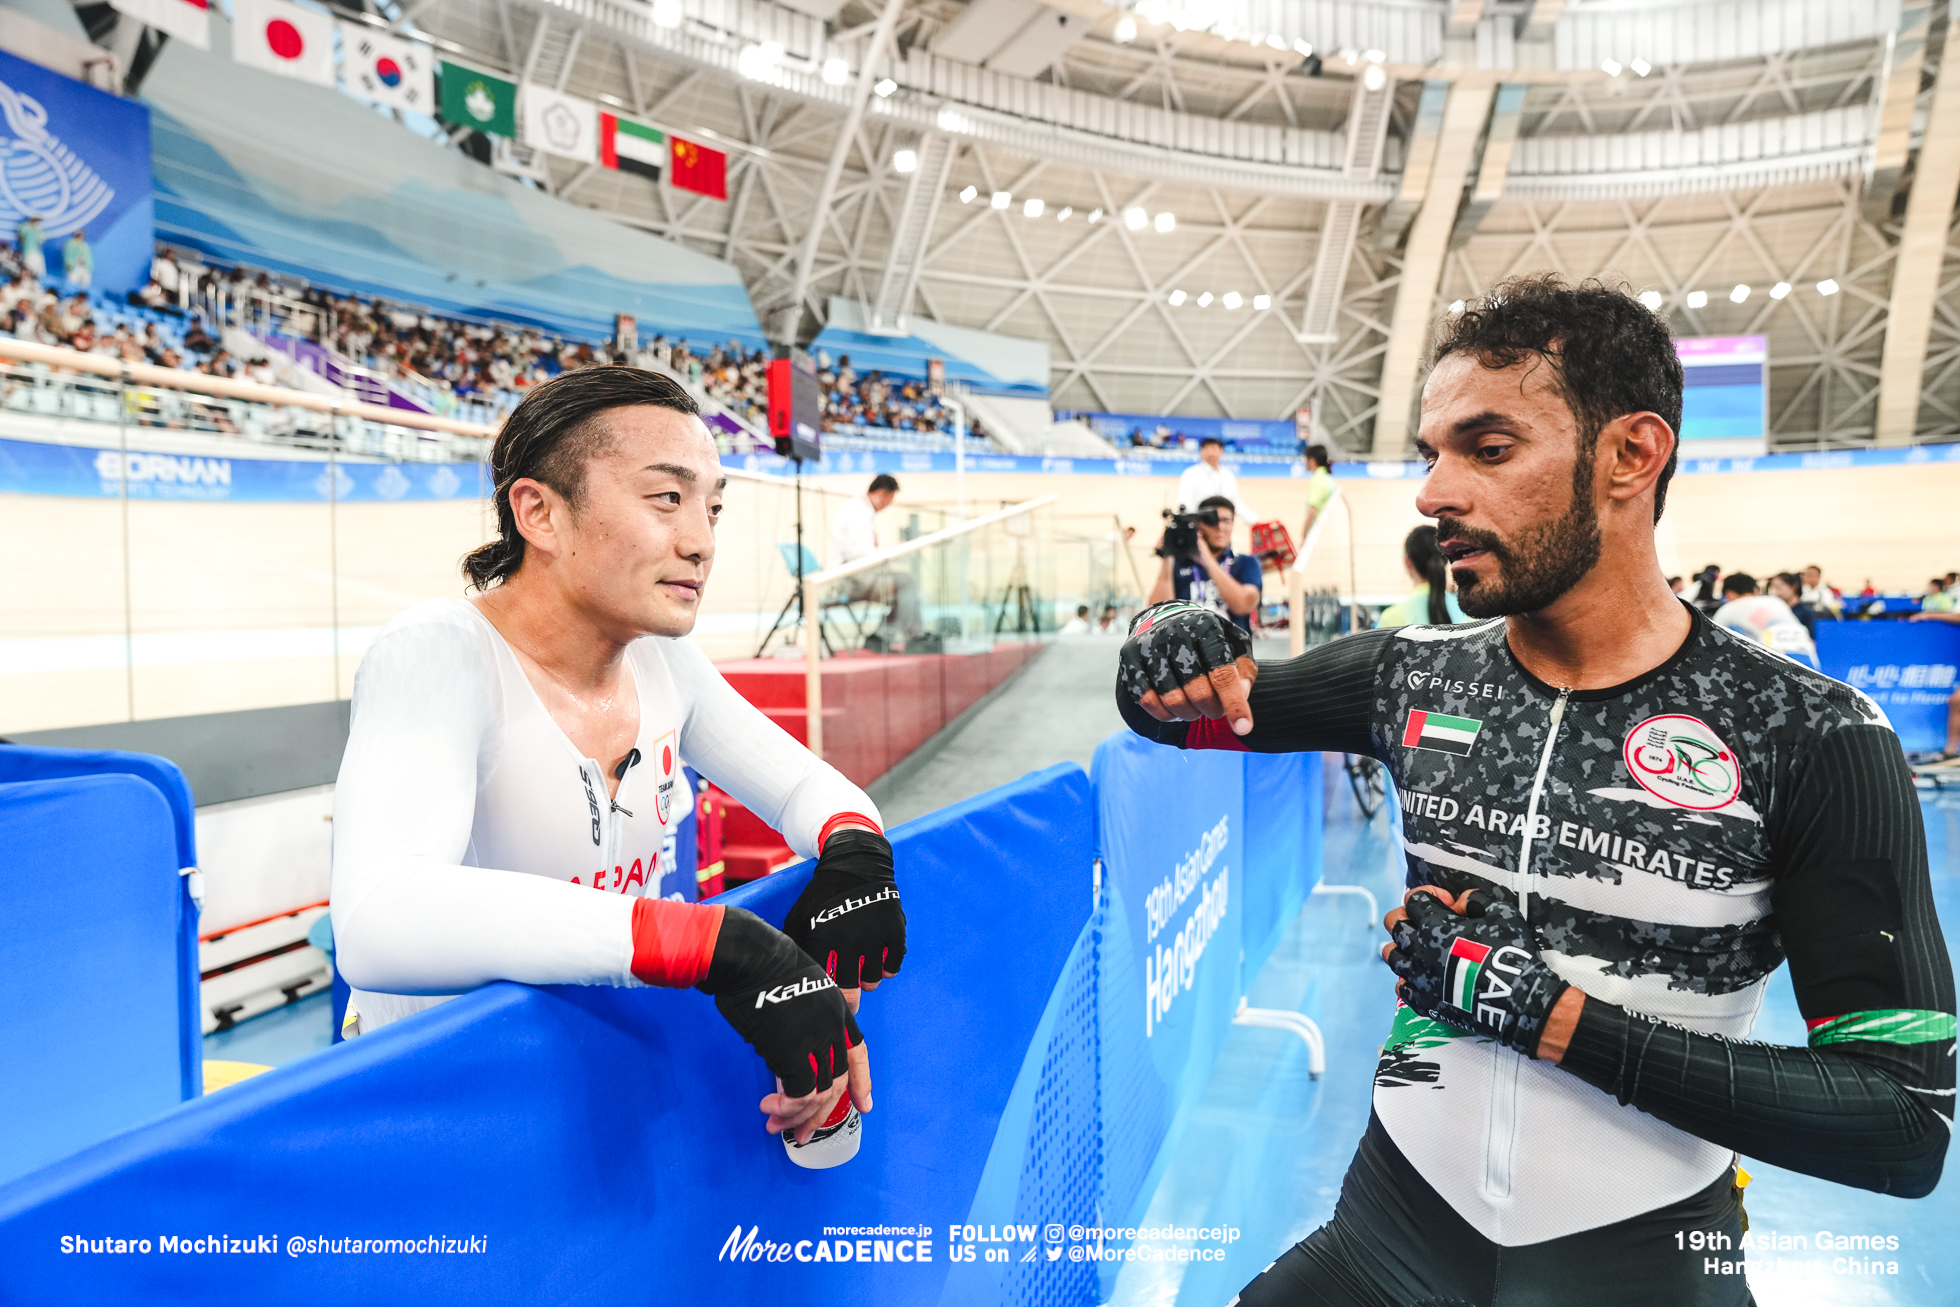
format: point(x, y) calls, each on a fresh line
point(1500, 1130)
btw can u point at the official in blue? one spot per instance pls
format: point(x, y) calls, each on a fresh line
point(1217, 577)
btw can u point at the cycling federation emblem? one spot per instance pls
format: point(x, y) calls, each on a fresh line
point(1677, 758)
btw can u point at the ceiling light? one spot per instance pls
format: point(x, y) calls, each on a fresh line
point(836, 72)
point(1697, 299)
point(1166, 222)
point(666, 13)
point(1126, 30)
point(1204, 300)
point(1456, 306)
point(905, 161)
point(1303, 48)
point(1262, 302)
point(1779, 290)
point(1739, 294)
point(952, 120)
point(1135, 219)
point(1232, 299)
point(1611, 67)
point(1652, 299)
point(1064, 215)
point(1373, 78)
point(967, 196)
point(1276, 41)
point(1350, 55)
point(1827, 287)
point(1641, 67)
point(1033, 208)
point(758, 62)
point(1374, 56)
point(1177, 298)
point(1095, 216)
point(1002, 199)
point(883, 90)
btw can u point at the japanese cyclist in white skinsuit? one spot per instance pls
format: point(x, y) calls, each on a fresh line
point(1619, 820)
point(514, 764)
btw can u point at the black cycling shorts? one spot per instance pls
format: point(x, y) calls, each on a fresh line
point(1395, 1242)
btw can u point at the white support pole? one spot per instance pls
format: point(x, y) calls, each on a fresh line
point(840, 150)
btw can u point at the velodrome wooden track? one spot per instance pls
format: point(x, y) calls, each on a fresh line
point(234, 605)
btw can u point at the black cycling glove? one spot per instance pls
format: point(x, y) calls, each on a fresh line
point(781, 1002)
point(848, 917)
point(1179, 641)
point(1478, 971)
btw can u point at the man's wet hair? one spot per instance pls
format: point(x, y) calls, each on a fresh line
point(1610, 354)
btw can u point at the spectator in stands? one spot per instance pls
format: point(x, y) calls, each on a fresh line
point(1763, 620)
point(1788, 587)
point(1222, 580)
point(1705, 590)
point(29, 238)
point(1937, 598)
point(1208, 477)
point(77, 262)
point(1078, 624)
point(1819, 593)
point(1676, 584)
point(1433, 603)
point(1107, 622)
point(854, 535)
point(1320, 488)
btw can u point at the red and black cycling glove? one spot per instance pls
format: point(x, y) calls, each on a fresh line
point(849, 917)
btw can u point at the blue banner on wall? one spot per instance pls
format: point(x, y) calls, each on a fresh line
point(78, 158)
point(31, 468)
point(1908, 668)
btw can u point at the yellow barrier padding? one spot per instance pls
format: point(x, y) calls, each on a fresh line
point(219, 1073)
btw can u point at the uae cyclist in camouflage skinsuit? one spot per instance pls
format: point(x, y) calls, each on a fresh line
point(1619, 821)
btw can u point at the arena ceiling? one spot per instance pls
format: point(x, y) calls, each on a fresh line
point(1691, 148)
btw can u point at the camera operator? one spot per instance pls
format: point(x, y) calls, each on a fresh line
point(1211, 574)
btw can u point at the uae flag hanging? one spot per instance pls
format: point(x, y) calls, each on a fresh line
point(631, 147)
point(701, 170)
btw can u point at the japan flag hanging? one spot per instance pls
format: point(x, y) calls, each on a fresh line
point(283, 38)
point(386, 69)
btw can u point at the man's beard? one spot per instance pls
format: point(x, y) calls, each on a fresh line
point(1535, 569)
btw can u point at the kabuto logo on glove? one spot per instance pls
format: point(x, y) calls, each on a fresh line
point(837, 910)
point(796, 989)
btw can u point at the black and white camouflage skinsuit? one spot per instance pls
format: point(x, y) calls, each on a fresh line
point(1673, 840)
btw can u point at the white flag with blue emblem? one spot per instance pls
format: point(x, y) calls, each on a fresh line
point(386, 69)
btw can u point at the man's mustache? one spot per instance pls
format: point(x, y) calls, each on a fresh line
point(1450, 530)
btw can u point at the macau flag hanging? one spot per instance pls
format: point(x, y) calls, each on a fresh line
point(469, 98)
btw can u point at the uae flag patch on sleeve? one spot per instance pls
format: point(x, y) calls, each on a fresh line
point(1434, 730)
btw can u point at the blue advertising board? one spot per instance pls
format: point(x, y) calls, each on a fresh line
point(1908, 668)
point(79, 159)
point(31, 468)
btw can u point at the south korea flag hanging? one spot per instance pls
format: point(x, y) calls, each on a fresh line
point(387, 70)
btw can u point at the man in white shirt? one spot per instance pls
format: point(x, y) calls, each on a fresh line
point(854, 535)
point(1208, 477)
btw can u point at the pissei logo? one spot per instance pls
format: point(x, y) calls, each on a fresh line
point(1678, 758)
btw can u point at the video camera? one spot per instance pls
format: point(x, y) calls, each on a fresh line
point(1181, 532)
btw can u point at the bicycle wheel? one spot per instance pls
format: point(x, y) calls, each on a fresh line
point(1365, 779)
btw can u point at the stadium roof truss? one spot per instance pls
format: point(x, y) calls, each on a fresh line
point(1108, 182)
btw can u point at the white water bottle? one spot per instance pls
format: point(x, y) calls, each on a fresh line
point(835, 1141)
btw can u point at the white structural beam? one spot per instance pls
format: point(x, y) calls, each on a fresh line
point(1922, 252)
point(1898, 97)
point(892, 309)
point(1368, 114)
point(1422, 262)
point(784, 327)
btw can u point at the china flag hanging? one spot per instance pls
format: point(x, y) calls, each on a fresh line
point(283, 38)
point(697, 168)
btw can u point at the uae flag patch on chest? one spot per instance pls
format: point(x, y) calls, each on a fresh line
point(1446, 734)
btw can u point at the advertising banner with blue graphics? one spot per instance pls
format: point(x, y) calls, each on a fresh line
point(574, 1145)
point(922, 461)
point(1908, 668)
point(30, 468)
point(79, 159)
point(1285, 809)
point(1237, 433)
point(1171, 826)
